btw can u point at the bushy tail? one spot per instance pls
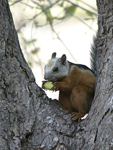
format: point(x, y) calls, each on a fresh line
point(93, 55)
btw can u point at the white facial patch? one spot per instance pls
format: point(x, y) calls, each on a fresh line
point(50, 64)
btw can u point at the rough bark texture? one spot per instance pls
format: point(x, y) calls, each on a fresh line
point(31, 121)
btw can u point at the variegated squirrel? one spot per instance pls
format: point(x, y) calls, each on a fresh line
point(75, 82)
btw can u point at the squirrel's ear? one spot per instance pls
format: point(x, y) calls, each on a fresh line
point(63, 59)
point(53, 55)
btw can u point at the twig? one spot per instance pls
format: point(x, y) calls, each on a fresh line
point(80, 20)
point(84, 23)
point(62, 42)
point(27, 5)
point(15, 2)
point(88, 5)
point(82, 7)
point(36, 3)
point(39, 62)
point(43, 10)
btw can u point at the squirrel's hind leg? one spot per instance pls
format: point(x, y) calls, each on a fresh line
point(80, 101)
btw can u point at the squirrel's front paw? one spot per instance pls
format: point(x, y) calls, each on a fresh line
point(55, 86)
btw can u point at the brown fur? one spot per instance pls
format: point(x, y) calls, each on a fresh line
point(76, 92)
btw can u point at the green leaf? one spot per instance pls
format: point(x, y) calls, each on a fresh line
point(88, 18)
point(28, 42)
point(19, 32)
point(49, 15)
point(35, 50)
point(59, 18)
point(36, 23)
point(29, 63)
point(89, 14)
point(70, 11)
point(62, 4)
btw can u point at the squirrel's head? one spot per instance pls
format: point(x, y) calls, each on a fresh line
point(56, 68)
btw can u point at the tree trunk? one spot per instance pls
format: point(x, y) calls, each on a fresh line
point(29, 120)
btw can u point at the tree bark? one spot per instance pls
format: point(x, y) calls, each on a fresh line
point(29, 120)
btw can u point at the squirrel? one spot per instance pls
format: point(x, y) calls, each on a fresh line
point(75, 82)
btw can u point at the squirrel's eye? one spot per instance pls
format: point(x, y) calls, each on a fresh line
point(55, 69)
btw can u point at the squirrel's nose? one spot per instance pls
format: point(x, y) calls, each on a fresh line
point(45, 77)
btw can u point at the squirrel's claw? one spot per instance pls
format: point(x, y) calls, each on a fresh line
point(77, 115)
point(55, 86)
